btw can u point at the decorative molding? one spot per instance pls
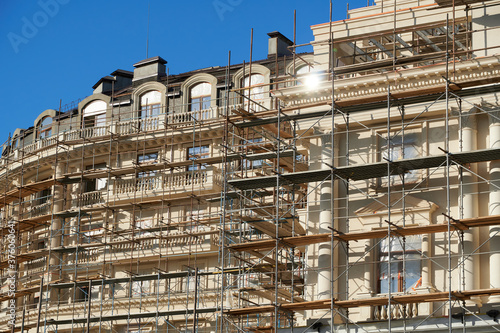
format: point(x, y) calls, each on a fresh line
point(403, 81)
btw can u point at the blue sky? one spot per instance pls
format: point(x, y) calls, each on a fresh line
point(58, 49)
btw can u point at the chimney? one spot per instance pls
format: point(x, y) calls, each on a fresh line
point(149, 68)
point(278, 45)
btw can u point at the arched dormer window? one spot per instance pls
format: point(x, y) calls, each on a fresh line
point(252, 87)
point(304, 70)
point(15, 142)
point(44, 128)
point(150, 104)
point(200, 96)
point(256, 90)
point(300, 69)
point(94, 114)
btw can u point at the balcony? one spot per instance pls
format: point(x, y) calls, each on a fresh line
point(92, 198)
point(177, 244)
point(123, 127)
point(32, 211)
point(207, 180)
point(178, 182)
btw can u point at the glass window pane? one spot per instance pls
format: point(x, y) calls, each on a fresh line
point(155, 109)
point(100, 120)
point(385, 277)
point(147, 157)
point(144, 112)
point(151, 97)
point(256, 93)
point(413, 272)
point(205, 104)
point(195, 104)
point(201, 89)
point(46, 121)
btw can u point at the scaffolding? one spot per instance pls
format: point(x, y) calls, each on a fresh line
point(355, 204)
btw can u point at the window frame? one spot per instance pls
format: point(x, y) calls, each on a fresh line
point(142, 160)
point(254, 92)
point(402, 277)
point(203, 101)
point(253, 164)
point(44, 131)
point(194, 157)
point(406, 147)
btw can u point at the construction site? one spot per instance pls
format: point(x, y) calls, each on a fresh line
point(354, 188)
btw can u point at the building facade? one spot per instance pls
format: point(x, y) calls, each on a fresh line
point(352, 188)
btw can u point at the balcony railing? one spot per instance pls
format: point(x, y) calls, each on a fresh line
point(91, 198)
point(196, 179)
point(190, 116)
point(138, 125)
point(87, 133)
point(126, 127)
point(398, 311)
point(42, 209)
point(155, 243)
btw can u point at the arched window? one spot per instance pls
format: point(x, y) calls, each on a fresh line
point(44, 129)
point(15, 142)
point(150, 104)
point(302, 74)
point(94, 114)
point(200, 96)
point(255, 81)
point(304, 70)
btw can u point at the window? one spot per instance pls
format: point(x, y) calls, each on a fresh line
point(150, 105)
point(34, 303)
point(82, 294)
point(146, 179)
point(302, 76)
point(43, 196)
point(201, 95)
point(144, 159)
point(94, 114)
point(39, 244)
point(143, 226)
point(400, 148)
point(255, 81)
point(141, 288)
point(194, 215)
point(250, 163)
point(96, 184)
point(45, 128)
point(150, 157)
point(196, 153)
point(304, 70)
point(194, 279)
point(405, 278)
point(92, 232)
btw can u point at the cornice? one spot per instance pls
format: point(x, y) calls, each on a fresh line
point(407, 82)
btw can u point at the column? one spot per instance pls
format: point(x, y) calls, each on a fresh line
point(494, 206)
point(470, 204)
point(325, 221)
point(427, 285)
point(367, 312)
point(56, 232)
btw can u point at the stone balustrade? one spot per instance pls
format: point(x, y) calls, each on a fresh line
point(195, 179)
point(398, 311)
